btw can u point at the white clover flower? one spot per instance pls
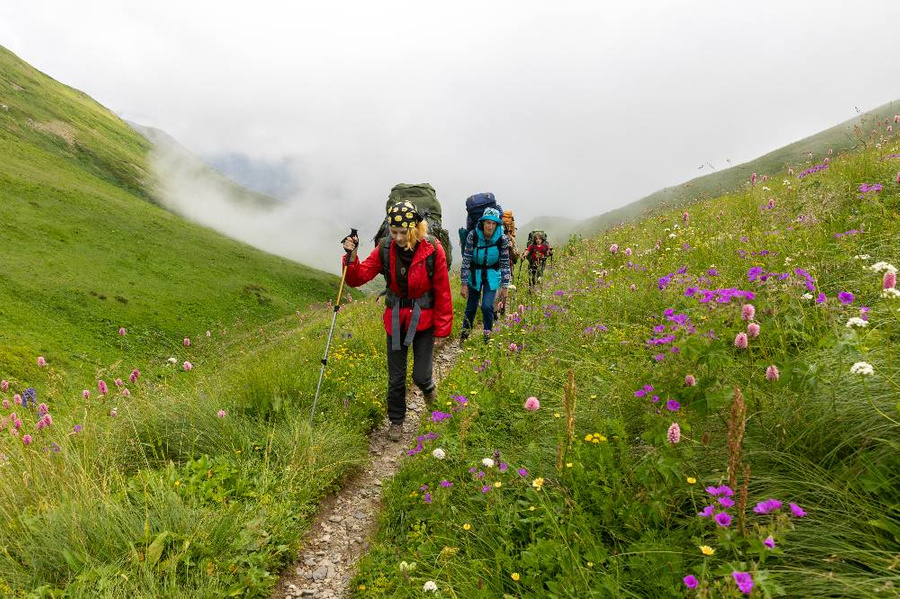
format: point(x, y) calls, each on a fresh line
point(856, 322)
point(806, 296)
point(863, 368)
point(439, 453)
point(766, 188)
point(880, 266)
point(404, 567)
point(672, 236)
point(488, 462)
point(430, 587)
point(862, 257)
point(891, 293)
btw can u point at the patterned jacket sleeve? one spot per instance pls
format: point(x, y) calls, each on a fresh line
point(467, 257)
point(505, 274)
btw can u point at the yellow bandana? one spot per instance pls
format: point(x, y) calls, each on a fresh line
point(403, 214)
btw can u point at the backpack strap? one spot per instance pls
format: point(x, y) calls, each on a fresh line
point(384, 252)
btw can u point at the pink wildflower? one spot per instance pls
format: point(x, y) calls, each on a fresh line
point(614, 248)
point(890, 278)
point(188, 366)
point(685, 217)
point(101, 387)
point(826, 161)
point(17, 399)
point(748, 312)
point(628, 251)
point(753, 330)
point(753, 178)
point(521, 309)
point(126, 392)
point(122, 331)
point(5, 406)
point(689, 380)
point(740, 341)
point(221, 413)
point(513, 347)
point(113, 413)
point(790, 171)
point(674, 433)
point(769, 542)
point(17, 423)
point(4, 385)
point(27, 439)
point(133, 377)
point(897, 178)
point(118, 383)
point(41, 361)
point(43, 409)
point(772, 373)
point(187, 342)
point(897, 118)
point(532, 404)
point(633, 287)
point(86, 394)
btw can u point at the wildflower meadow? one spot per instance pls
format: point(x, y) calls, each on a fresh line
point(703, 403)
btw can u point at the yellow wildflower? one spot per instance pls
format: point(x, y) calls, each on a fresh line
point(498, 484)
point(515, 576)
point(706, 550)
point(467, 526)
point(537, 483)
point(691, 480)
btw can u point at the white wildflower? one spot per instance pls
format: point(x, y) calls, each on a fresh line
point(881, 266)
point(439, 453)
point(766, 188)
point(785, 182)
point(863, 368)
point(430, 587)
point(806, 296)
point(862, 257)
point(672, 235)
point(856, 322)
point(891, 293)
point(488, 462)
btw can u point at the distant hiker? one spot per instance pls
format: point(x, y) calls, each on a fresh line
point(536, 253)
point(485, 271)
point(418, 304)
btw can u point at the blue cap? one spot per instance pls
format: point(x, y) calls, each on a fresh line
point(491, 214)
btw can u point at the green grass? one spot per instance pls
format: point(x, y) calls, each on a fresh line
point(616, 515)
point(86, 251)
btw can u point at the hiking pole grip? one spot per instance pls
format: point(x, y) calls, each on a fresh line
point(354, 235)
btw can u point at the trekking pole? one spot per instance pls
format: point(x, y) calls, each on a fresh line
point(337, 307)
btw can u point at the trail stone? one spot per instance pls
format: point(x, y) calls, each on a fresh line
point(320, 573)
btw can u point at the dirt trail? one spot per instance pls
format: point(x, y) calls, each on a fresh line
point(340, 533)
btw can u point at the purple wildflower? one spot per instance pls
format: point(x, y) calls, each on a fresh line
point(690, 581)
point(796, 510)
point(744, 582)
point(723, 519)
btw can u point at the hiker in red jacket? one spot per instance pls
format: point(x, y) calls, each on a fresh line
point(418, 302)
point(536, 254)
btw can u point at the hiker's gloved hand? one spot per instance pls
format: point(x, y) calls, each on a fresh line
point(464, 291)
point(350, 244)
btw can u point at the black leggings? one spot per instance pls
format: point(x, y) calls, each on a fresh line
point(423, 351)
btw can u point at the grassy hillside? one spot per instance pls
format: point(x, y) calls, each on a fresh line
point(86, 251)
point(716, 412)
point(849, 135)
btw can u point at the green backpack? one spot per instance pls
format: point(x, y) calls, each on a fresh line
point(423, 197)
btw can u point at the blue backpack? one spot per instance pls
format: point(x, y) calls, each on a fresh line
point(475, 207)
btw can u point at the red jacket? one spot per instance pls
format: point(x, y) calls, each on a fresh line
point(440, 315)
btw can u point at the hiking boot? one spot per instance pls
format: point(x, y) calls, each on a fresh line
point(395, 431)
point(487, 337)
point(430, 397)
point(463, 335)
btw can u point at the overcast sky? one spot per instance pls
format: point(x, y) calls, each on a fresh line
point(560, 108)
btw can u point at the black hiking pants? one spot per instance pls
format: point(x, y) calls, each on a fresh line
point(423, 352)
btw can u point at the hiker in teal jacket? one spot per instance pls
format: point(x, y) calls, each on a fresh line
point(485, 271)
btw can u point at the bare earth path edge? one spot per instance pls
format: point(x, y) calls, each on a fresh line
point(340, 533)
